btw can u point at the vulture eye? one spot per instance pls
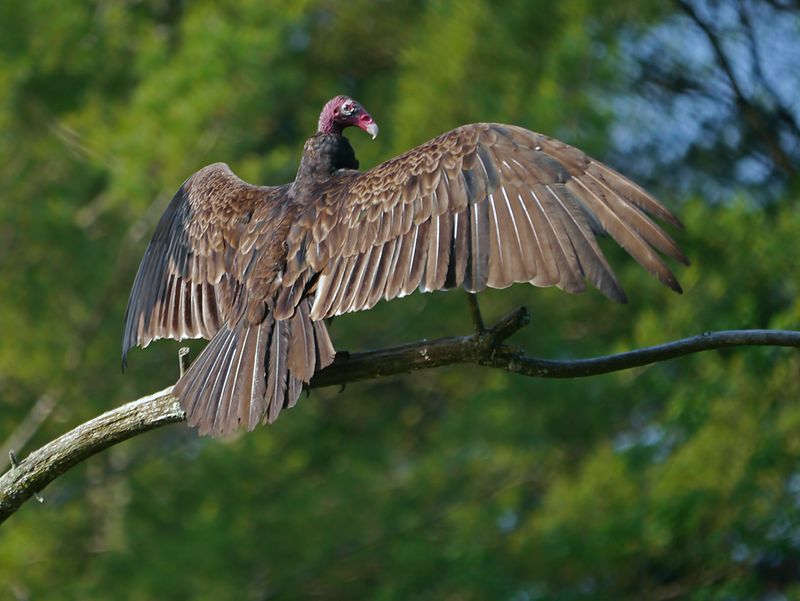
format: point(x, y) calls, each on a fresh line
point(348, 109)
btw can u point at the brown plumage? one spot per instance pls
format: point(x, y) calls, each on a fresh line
point(257, 268)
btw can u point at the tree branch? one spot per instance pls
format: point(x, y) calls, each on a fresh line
point(750, 110)
point(26, 478)
point(518, 362)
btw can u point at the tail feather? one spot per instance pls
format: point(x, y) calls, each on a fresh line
point(221, 377)
point(302, 353)
point(250, 384)
point(293, 394)
point(196, 391)
point(324, 350)
point(205, 401)
point(248, 373)
point(302, 357)
point(278, 370)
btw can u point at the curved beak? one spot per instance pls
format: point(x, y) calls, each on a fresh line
point(366, 122)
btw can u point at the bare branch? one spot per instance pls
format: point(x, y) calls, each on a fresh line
point(518, 362)
point(716, 46)
point(782, 112)
point(750, 111)
point(42, 466)
point(486, 348)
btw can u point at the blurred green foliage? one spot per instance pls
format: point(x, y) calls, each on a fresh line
point(681, 480)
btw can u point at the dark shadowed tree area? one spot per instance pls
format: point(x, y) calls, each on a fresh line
point(676, 481)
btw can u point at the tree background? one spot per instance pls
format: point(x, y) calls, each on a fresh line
point(681, 480)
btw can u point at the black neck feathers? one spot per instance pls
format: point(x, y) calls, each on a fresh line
point(323, 155)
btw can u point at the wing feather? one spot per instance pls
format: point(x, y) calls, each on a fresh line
point(482, 205)
point(188, 276)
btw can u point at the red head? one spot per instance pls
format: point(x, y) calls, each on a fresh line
point(343, 111)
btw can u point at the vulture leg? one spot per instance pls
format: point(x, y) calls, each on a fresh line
point(475, 313)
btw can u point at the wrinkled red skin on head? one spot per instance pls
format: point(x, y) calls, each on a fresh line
point(331, 121)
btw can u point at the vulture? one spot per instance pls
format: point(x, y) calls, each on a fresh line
point(257, 269)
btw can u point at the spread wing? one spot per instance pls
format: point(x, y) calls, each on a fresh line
point(187, 279)
point(482, 205)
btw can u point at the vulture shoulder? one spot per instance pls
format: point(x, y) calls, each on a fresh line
point(191, 270)
point(482, 205)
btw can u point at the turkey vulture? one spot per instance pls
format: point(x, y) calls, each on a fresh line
point(257, 269)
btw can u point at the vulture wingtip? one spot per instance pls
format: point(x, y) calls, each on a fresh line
point(673, 284)
point(615, 292)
